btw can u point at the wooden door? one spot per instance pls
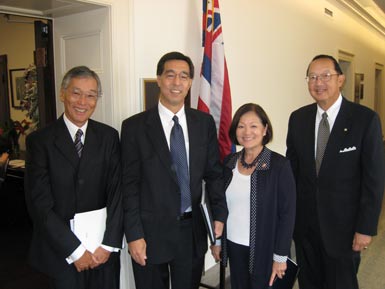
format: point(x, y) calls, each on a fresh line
point(45, 72)
point(4, 98)
point(85, 39)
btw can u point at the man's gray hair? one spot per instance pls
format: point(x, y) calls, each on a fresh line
point(81, 72)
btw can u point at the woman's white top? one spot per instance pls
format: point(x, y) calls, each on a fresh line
point(238, 203)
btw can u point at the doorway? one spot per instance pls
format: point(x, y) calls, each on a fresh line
point(75, 44)
point(20, 106)
point(345, 60)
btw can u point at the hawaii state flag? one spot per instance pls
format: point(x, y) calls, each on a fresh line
point(215, 96)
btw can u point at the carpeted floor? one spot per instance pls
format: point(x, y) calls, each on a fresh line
point(15, 273)
point(371, 274)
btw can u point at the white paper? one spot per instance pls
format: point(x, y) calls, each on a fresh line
point(89, 227)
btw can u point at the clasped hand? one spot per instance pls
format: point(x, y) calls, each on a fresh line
point(90, 261)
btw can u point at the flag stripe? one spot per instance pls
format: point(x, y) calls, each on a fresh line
point(215, 96)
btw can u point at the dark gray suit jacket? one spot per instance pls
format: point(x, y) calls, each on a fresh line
point(151, 196)
point(347, 194)
point(58, 185)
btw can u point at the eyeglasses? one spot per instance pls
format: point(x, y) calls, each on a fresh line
point(324, 77)
point(183, 76)
point(89, 95)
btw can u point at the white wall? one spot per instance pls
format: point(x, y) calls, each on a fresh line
point(268, 46)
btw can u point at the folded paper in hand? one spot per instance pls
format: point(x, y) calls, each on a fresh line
point(89, 227)
point(207, 215)
point(288, 280)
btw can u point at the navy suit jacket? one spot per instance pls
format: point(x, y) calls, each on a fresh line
point(273, 222)
point(58, 184)
point(151, 195)
point(347, 194)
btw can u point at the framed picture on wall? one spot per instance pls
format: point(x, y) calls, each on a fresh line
point(151, 91)
point(17, 87)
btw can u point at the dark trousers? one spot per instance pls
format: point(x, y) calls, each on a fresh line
point(318, 270)
point(184, 270)
point(104, 276)
point(239, 265)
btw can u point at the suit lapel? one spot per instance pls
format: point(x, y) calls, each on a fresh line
point(339, 131)
point(91, 147)
point(193, 124)
point(64, 143)
point(309, 135)
point(156, 135)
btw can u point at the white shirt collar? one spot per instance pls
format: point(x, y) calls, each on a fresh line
point(72, 128)
point(332, 112)
point(166, 114)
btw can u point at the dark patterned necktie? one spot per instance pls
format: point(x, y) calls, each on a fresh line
point(179, 159)
point(78, 142)
point(322, 140)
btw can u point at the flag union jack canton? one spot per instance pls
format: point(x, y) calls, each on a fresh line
point(215, 96)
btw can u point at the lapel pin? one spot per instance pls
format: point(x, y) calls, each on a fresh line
point(345, 129)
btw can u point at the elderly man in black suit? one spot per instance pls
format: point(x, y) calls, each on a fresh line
point(167, 151)
point(73, 166)
point(337, 155)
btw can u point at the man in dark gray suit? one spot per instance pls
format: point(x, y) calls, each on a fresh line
point(73, 166)
point(339, 196)
point(167, 238)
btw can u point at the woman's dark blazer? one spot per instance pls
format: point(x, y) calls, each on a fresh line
point(275, 211)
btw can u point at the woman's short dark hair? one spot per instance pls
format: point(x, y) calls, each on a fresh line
point(174, 56)
point(260, 113)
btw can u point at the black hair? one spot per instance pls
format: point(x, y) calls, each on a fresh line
point(260, 113)
point(174, 56)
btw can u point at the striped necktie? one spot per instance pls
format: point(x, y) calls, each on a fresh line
point(78, 142)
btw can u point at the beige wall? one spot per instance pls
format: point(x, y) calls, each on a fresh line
point(17, 42)
point(268, 46)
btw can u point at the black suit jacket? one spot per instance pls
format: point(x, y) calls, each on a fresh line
point(58, 184)
point(347, 194)
point(151, 196)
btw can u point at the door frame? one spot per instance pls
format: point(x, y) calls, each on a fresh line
point(5, 113)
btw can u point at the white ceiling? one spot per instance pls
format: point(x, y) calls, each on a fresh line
point(45, 8)
point(371, 11)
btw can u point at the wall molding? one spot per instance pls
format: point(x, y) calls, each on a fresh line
point(358, 9)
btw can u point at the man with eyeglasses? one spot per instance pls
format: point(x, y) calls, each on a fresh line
point(166, 153)
point(337, 155)
point(72, 171)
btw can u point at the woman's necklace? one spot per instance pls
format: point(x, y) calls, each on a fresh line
point(252, 164)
